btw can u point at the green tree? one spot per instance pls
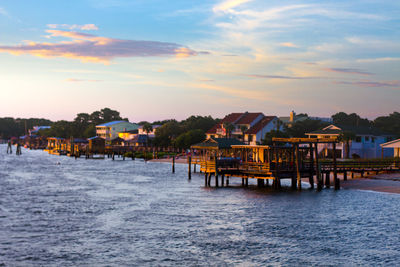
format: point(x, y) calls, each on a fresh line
point(389, 124)
point(299, 128)
point(346, 137)
point(185, 140)
point(166, 134)
point(271, 134)
point(229, 127)
point(147, 128)
point(352, 119)
point(243, 129)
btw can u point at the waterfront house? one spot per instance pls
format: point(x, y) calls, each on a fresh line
point(35, 130)
point(365, 144)
point(110, 130)
point(128, 135)
point(247, 127)
point(392, 146)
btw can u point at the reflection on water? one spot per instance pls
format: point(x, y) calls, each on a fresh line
point(66, 212)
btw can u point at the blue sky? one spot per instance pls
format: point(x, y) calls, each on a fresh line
point(153, 59)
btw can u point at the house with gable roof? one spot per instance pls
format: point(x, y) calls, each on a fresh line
point(110, 130)
point(248, 127)
point(366, 143)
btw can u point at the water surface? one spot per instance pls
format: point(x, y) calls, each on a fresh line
point(58, 211)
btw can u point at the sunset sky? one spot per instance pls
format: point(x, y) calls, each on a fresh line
point(153, 59)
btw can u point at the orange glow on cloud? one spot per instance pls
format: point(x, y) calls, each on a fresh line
point(92, 48)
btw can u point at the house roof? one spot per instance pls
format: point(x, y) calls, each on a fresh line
point(260, 125)
point(220, 143)
point(358, 130)
point(110, 123)
point(235, 118)
point(248, 118)
point(391, 144)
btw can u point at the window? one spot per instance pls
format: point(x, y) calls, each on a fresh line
point(366, 139)
point(250, 137)
point(358, 139)
point(373, 139)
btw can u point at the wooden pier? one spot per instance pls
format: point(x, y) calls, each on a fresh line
point(287, 158)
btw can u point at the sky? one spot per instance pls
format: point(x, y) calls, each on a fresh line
point(153, 59)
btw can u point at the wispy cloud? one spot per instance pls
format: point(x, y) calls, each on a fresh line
point(3, 12)
point(228, 5)
point(381, 59)
point(370, 83)
point(288, 44)
point(348, 71)
point(283, 77)
point(86, 27)
point(81, 80)
point(92, 48)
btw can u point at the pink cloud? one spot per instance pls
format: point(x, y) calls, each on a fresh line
point(86, 27)
point(348, 71)
point(371, 83)
point(92, 48)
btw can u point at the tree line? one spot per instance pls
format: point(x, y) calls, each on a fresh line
point(184, 133)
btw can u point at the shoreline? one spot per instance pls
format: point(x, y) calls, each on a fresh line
point(384, 182)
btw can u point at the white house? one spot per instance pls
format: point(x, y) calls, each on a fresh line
point(366, 143)
point(248, 127)
point(110, 130)
point(393, 146)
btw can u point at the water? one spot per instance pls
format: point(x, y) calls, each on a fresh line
point(58, 211)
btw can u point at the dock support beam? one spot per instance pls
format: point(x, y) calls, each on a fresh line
point(173, 164)
point(317, 169)
point(190, 168)
point(311, 179)
point(335, 178)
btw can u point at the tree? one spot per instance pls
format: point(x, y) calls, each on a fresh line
point(243, 128)
point(147, 128)
point(198, 122)
point(299, 128)
point(271, 134)
point(389, 124)
point(346, 137)
point(108, 115)
point(185, 140)
point(352, 119)
point(229, 127)
point(166, 134)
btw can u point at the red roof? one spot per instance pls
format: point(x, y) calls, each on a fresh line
point(260, 125)
point(248, 118)
point(228, 118)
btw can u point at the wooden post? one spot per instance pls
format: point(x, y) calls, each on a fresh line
point(222, 180)
point(190, 167)
point(311, 167)
point(297, 167)
point(205, 180)
point(242, 181)
point(293, 152)
point(247, 182)
point(345, 175)
point(216, 170)
point(194, 168)
point(335, 178)
point(173, 164)
point(327, 179)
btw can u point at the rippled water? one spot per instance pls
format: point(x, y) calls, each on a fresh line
point(59, 211)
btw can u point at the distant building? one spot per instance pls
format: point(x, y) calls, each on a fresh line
point(36, 129)
point(247, 127)
point(128, 135)
point(293, 118)
point(366, 143)
point(110, 130)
